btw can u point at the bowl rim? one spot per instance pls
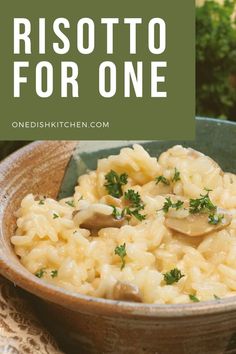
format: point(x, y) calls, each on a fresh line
point(84, 303)
point(218, 121)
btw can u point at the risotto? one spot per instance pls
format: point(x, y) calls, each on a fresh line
point(142, 229)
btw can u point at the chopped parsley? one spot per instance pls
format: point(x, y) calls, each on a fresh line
point(215, 219)
point(193, 298)
point(173, 276)
point(202, 204)
point(133, 197)
point(165, 181)
point(134, 208)
point(71, 203)
point(136, 214)
point(205, 205)
point(216, 297)
point(169, 204)
point(116, 213)
point(208, 189)
point(54, 273)
point(55, 216)
point(135, 205)
point(41, 202)
point(40, 273)
point(178, 205)
point(115, 182)
point(162, 179)
point(121, 252)
point(176, 176)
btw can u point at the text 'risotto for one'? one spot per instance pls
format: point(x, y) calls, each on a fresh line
point(137, 229)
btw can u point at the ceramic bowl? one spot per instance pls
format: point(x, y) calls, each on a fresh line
point(92, 325)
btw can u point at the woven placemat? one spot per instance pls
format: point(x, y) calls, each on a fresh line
point(20, 330)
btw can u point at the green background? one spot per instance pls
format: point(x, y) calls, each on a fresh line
point(130, 118)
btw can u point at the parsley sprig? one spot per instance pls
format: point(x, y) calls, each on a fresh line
point(54, 273)
point(135, 205)
point(40, 273)
point(115, 182)
point(205, 205)
point(163, 180)
point(71, 203)
point(134, 198)
point(202, 204)
point(169, 204)
point(116, 213)
point(215, 219)
point(193, 298)
point(121, 252)
point(176, 176)
point(173, 276)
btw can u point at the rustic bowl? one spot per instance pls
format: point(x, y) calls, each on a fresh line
point(91, 325)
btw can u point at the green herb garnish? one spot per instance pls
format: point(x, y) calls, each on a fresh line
point(54, 273)
point(115, 182)
point(173, 276)
point(165, 181)
point(40, 272)
point(133, 197)
point(55, 216)
point(121, 252)
point(176, 176)
point(215, 219)
point(136, 205)
point(41, 202)
point(162, 179)
point(207, 189)
point(202, 204)
point(71, 203)
point(135, 213)
point(178, 205)
point(169, 204)
point(116, 213)
point(194, 298)
point(216, 297)
point(134, 208)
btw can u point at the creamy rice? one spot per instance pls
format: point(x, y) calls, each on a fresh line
point(51, 243)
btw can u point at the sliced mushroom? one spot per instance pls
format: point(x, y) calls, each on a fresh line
point(197, 224)
point(96, 217)
point(99, 221)
point(125, 291)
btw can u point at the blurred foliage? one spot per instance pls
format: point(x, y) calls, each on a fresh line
point(216, 59)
